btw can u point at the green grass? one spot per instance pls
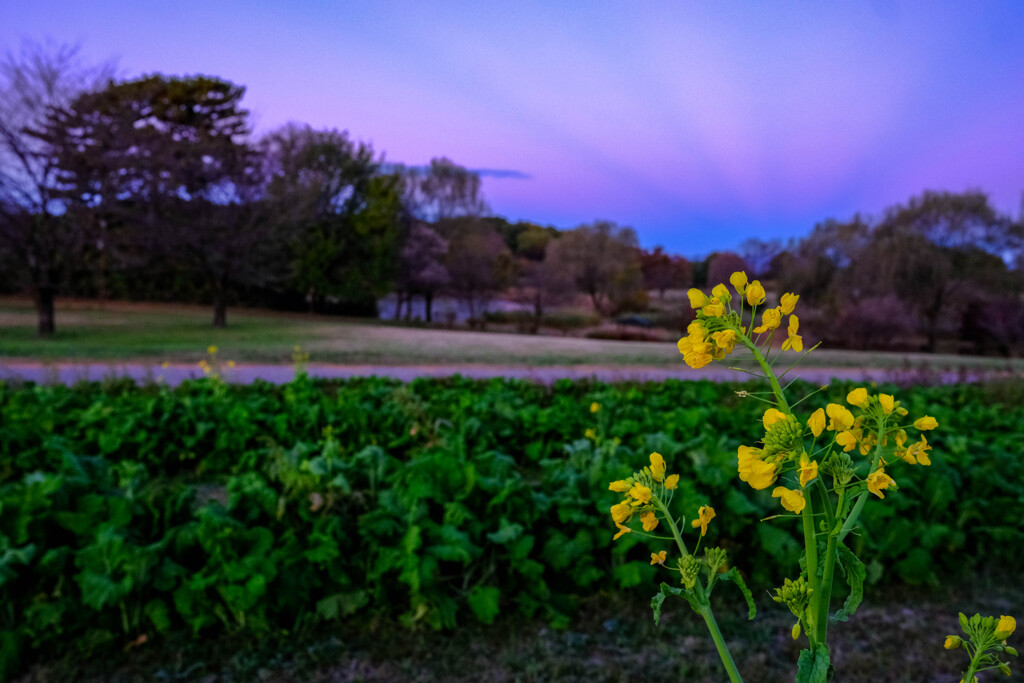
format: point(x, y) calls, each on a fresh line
point(124, 331)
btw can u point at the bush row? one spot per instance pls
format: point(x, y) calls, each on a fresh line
point(209, 507)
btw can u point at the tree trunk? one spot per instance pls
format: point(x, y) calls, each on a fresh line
point(220, 306)
point(428, 303)
point(399, 299)
point(44, 306)
point(538, 313)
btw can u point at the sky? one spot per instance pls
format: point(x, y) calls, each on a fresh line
point(700, 124)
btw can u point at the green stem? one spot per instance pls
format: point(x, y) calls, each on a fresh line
point(823, 597)
point(723, 650)
point(767, 369)
point(702, 599)
point(671, 526)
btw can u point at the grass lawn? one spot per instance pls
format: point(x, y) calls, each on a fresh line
point(87, 330)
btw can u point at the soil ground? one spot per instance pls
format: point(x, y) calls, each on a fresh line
point(896, 637)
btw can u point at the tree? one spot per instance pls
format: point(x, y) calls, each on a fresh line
point(171, 156)
point(421, 268)
point(478, 262)
point(759, 253)
point(444, 190)
point(343, 212)
point(936, 253)
point(543, 284)
point(664, 271)
point(599, 256)
point(724, 264)
point(35, 226)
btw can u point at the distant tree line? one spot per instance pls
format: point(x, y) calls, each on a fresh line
point(156, 188)
point(944, 271)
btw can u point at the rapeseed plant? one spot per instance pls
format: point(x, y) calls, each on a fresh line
point(823, 468)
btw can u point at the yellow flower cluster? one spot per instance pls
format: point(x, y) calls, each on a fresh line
point(718, 328)
point(782, 446)
point(642, 494)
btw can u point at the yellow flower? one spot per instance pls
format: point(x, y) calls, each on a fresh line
point(858, 397)
point(770, 319)
point(620, 486)
point(622, 531)
point(841, 418)
point(659, 558)
point(589, 433)
point(165, 364)
point(697, 298)
point(714, 309)
point(788, 303)
point(726, 339)
point(739, 281)
point(671, 481)
point(925, 423)
point(721, 292)
point(595, 406)
point(952, 642)
point(919, 452)
point(211, 350)
point(640, 494)
point(705, 514)
point(621, 512)
point(792, 500)
point(231, 363)
point(817, 422)
point(794, 340)
point(879, 481)
point(649, 520)
point(755, 293)
point(657, 466)
point(1005, 627)
point(887, 402)
point(847, 440)
point(771, 416)
point(808, 469)
point(760, 474)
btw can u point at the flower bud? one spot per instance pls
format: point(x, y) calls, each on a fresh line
point(953, 642)
point(1004, 668)
point(689, 567)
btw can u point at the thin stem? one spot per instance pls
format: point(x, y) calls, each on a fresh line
point(723, 650)
point(811, 552)
point(705, 610)
point(824, 596)
point(672, 526)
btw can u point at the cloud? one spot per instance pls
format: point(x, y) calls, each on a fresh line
point(501, 173)
point(505, 173)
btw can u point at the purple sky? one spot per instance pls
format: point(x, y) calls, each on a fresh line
point(698, 123)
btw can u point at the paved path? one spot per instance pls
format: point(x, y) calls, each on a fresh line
point(243, 373)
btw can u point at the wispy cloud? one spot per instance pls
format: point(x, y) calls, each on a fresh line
point(501, 173)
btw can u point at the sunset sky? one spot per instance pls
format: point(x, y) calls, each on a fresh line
point(698, 123)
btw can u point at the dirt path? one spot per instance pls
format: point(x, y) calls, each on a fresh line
point(244, 373)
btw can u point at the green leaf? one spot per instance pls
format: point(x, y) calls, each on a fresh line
point(483, 600)
point(98, 590)
point(506, 533)
point(342, 604)
point(734, 575)
point(855, 572)
point(159, 614)
point(632, 574)
point(659, 599)
point(813, 667)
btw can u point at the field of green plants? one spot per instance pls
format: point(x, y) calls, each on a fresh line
point(131, 513)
